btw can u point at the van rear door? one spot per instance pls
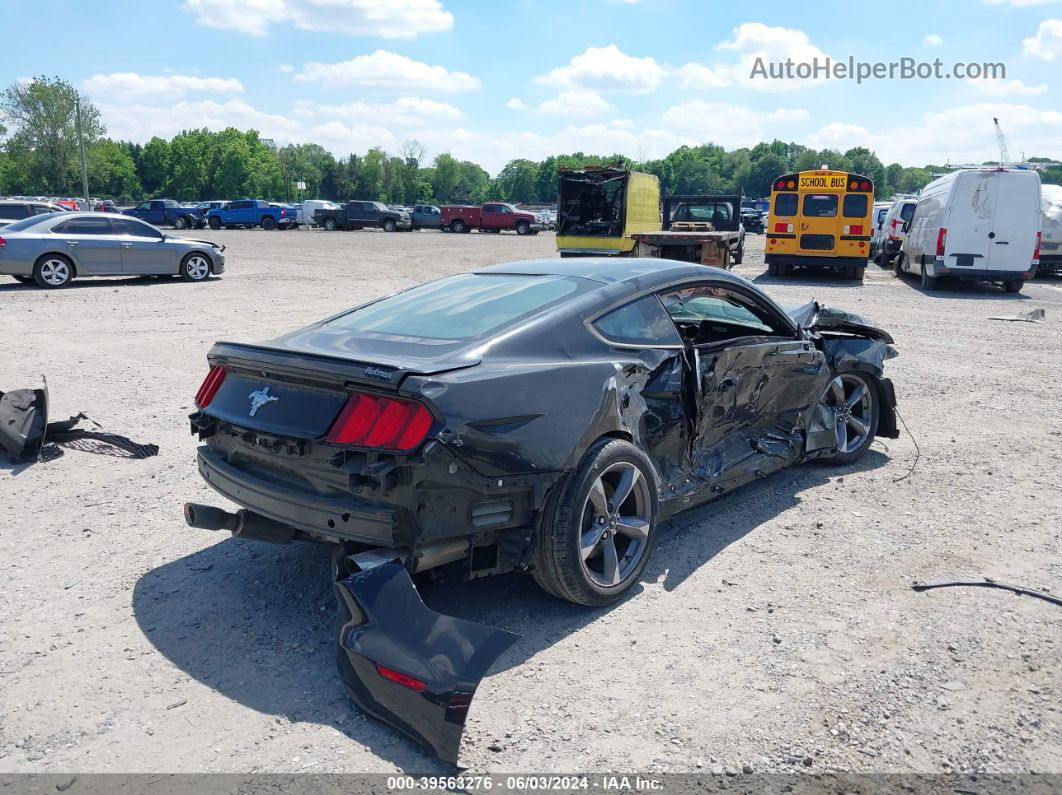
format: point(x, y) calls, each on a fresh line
point(1015, 222)
point(970, 221)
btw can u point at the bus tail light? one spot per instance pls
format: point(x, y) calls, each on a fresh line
point(1036, 251)
point(853, 229)
point(942, 239)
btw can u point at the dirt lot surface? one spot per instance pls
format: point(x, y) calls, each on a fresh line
point(774, 629)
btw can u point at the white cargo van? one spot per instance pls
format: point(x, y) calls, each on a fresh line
point(975, 225)
point(1051, 240)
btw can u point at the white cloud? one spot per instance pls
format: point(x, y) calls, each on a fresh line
point(932, 40)
point(1020, 3)
point(1047, 43)
point(515, 104)
point(756, 44)
point(392, 19)
point(285, 68)
point(576, 103)
point(725, 124)
point(139, 122)
point(995, 87)
point(388, 70)
point(606, 69)
point(961, 134)
point(403, 111)
point(135, 86)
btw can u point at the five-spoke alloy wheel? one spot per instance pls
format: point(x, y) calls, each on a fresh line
point(852, 400)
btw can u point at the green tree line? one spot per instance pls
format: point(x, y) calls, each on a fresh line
point(39, 155)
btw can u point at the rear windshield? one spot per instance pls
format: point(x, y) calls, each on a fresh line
point(462, 307)
point(820, 205)
point(25, 223)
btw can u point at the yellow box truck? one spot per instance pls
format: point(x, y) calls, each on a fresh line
point(600, 207)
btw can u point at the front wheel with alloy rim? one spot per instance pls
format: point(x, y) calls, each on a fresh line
point(595, 540)
point(330, 225)
point(53, 271)
point(851, 400)
point(389, 225)
point(181, 222)
point(523, 228)
point(195, 267)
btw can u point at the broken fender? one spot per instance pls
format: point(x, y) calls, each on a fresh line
point(407, 666)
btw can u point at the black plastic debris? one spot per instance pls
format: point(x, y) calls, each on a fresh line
point(27, 436)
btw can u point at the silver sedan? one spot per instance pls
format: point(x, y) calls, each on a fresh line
point(52, 250)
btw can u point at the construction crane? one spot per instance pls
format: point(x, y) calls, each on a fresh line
point(1004, 155)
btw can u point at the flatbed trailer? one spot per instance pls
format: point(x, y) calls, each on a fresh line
point(704, 247)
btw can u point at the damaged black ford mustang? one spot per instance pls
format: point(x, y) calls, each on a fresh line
point(541, 416)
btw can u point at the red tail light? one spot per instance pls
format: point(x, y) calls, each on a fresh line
point(210, 386)
point(4, 242)
point(864, 185)
point(1036, 251)
point(401, 679)
point(384, 423)
point(942, 238)
point(780, 184)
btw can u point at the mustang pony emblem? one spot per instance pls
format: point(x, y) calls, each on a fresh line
point(259, 398)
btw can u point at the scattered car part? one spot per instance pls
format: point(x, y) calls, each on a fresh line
point(1032, 316)
point(404, 664)
point(925, 585)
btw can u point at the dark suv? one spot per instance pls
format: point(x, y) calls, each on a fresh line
point(360, 214)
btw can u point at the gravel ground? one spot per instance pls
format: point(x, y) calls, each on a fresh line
point(774, 629)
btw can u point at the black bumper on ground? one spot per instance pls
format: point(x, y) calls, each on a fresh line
point(405, 665)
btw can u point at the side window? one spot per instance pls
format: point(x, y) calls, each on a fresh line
point(708, 314)
point(244, 205)
point(855, 205)
point(84, 226)
point(907, 211)
point(820, 205)
point(14, 211)
point(490, 208)
point(641, 322)
point(127, 226)
point(144, 206)
point(785, 204)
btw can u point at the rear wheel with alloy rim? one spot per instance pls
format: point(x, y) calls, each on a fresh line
point(195, 267)
point(596, 541)
point(53, 271)
point(851, 399)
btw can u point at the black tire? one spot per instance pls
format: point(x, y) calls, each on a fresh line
point(772, 269)
point(195, 267)
point(898, 266)
point(181, 222)
point(559, 568)
point(23, 279)
point(215, 223)
point(874, 394)
point(458, 226)
point(929, 282)
point(1014, 285)
point(739, 256)
point(523, 228)
point(330, 224)
point(53, 271)
point(857, 274)
point(269, 222)
point(784, 269)
point(389, 225)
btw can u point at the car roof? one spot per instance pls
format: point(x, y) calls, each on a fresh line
point(609, 270)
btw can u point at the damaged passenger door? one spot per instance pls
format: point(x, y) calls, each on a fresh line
point(755, 379)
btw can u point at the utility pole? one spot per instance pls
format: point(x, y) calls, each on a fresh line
point(81, 146)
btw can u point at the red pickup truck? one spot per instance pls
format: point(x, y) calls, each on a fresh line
point(491, 217)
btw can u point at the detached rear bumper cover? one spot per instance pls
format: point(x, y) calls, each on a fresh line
point(382, 622)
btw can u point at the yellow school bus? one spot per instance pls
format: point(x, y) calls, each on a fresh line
point(820, 219)
point(600, 207)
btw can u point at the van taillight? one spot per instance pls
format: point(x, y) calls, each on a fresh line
point(1036, 251)
point(942, 237)
point(383, 423)
point(2, 242)
point(210, 385)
